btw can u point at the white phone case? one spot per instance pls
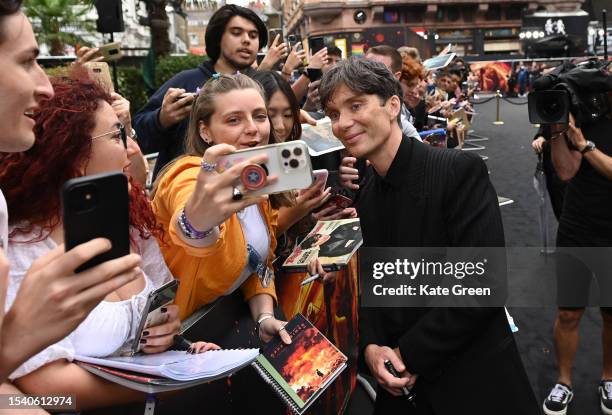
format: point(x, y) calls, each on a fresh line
point(289, 162)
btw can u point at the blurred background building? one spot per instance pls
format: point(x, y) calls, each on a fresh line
point(495, 29)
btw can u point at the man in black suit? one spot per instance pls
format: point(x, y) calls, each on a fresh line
point(457, 360)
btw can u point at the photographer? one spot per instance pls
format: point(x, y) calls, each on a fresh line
point(582, 156)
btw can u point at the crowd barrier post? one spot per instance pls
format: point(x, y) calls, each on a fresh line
point(498, 121)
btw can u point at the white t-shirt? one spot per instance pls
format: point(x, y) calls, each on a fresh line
point(111, 326)
point(3, 222)
point(255, 233)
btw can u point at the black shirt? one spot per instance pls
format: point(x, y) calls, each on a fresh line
point(587, 209)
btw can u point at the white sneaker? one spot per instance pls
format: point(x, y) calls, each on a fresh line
point(558, 400)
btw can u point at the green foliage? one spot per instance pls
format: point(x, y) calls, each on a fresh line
point(131, 84)
point(168, 66)
point(55, 20)
point(132, 87)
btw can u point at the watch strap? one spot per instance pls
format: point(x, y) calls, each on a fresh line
point(590, 146)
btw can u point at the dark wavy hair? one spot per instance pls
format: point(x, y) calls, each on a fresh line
point(7, 8)
point(218, 21)
point(272, 82)
point(31, 180)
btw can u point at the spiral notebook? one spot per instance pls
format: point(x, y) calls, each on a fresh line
point(180, 365)
point(301, 371)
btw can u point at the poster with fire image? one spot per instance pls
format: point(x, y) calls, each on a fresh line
point(301, 371)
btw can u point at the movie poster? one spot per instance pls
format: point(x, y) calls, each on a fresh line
point(492, 76)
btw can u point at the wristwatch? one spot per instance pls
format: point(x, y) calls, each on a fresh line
point(590, 146)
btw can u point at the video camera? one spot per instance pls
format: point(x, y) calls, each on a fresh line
point(585, 90)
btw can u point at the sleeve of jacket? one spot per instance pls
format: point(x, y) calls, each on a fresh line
point(151, 134)
point(473, 219)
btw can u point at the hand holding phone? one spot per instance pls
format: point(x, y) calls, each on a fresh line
point(316, 195)
point(93, 207)
point(155, 310)
point(99, 72)
point(287, 168)
point(175, 108)
point(111, 51)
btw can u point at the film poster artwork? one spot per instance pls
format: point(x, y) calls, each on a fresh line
point(492, 76)
point(333, 310)
point(309, 363)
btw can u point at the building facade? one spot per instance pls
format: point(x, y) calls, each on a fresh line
point(475, 27)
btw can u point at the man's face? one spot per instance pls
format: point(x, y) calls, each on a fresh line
point(239, 43)
point(385, 60)
point(23, 84)
point(360, 121)
point(332, 60)
point(443, 82)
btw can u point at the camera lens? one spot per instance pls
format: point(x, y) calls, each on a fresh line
point(294, 163)
point(286, 153)
point(550, 109)
point(297, 151)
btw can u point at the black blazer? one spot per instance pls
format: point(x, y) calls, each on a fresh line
point(466, 358)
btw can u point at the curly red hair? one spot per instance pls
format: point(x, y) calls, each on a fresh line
point(31, 180)
point(411, 69)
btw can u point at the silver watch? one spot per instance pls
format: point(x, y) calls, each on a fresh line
point(590, 146)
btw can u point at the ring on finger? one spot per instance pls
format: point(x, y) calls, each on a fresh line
point(236, 194)
point(281, 329)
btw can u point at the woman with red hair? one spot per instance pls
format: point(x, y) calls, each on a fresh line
point(77, 134)
point(412, 80)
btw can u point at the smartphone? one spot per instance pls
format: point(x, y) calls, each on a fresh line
point(289, 162)
point(272, 33)
point(185, 95)
point(314, 74)
point(293, 39)
point(260, 58)
point(111, 51)
point(316, 44)
point(93, 207)
point(340, 201)
point(151, 314)
point(320, 176)
point(100, 73)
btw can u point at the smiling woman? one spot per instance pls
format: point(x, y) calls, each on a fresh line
point(218, 242)
point(22, 82)
point(77, 134)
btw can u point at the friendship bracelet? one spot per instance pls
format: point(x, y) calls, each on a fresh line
point(188, 230)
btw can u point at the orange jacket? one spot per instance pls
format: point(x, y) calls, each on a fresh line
point(205, 273)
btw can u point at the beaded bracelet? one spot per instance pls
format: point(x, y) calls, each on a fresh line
point(188, 230)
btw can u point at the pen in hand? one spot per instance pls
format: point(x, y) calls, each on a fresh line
point(310, 279)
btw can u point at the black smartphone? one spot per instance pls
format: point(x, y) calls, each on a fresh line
point(293, 39)
point(93, 207)
point(272, 33)
point(314, 74)
point(316, 44)
point(152, 314)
